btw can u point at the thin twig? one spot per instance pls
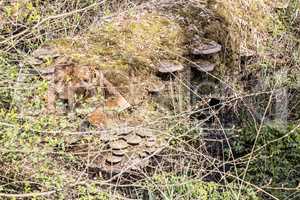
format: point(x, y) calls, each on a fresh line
point(26, 195)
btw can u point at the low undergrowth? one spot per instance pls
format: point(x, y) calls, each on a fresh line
point(205, 158)
point(274, 164)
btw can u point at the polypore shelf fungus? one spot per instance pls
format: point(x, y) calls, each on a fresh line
point(123, 151)
point(131, 69)
point(204, 47)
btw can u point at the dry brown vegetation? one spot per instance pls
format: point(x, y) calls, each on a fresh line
point(149, 99)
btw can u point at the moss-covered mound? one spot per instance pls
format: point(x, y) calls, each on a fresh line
point(38, 154)
point(136, 41)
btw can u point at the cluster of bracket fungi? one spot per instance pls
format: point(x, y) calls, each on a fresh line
point(201, 51)
point(123, 149)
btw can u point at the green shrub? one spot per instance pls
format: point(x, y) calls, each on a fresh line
point(275, 162)
point(170, 186)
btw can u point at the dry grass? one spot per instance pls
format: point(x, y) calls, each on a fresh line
point(196, 160)
point(134, 41)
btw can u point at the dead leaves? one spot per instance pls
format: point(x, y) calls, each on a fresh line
point(99, 119)
point(70, 79)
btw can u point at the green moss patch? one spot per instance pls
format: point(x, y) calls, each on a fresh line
point(136, 42)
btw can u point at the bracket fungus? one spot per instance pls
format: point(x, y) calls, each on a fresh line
point(205, 48)
point(124, 152)
point(169, 67)
point(204, 65)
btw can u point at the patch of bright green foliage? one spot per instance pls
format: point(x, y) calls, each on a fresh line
point(276, 163)
point(8, 74)
point(32, 156)
point(170, 186)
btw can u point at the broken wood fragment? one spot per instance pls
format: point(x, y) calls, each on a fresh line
point(119, 101)
point(98, 118)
